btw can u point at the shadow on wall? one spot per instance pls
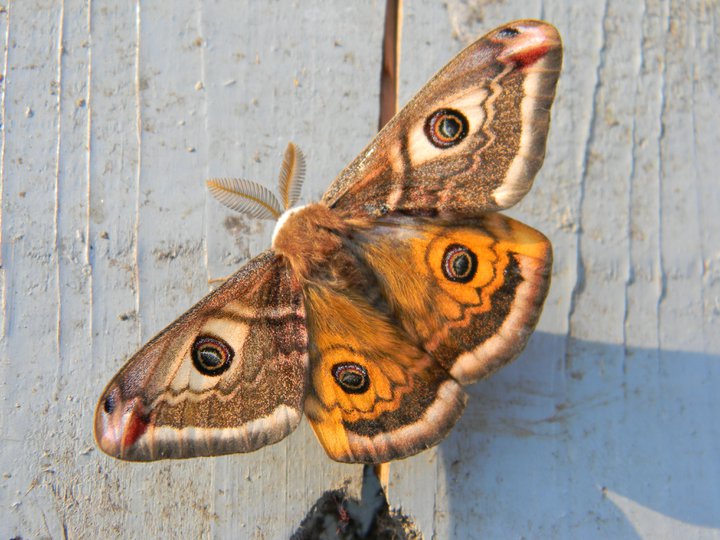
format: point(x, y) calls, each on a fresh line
point(579, 438)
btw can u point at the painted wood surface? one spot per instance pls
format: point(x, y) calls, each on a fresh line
point(113, 113)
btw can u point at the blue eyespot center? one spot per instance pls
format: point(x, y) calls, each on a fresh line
point(109, 404)
point(508, 32)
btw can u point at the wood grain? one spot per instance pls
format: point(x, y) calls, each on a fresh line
point(112, 117)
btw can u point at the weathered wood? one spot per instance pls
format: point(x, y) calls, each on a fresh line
point(114, 113)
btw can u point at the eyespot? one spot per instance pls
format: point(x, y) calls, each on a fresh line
point(508, 32)
point(211, 355)
point(109, 404)
point(352, 378)
point(459, 264)
point(446, 127)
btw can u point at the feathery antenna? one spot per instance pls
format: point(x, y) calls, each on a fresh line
point(246, 197)
point(257, 201)
point(292, 174)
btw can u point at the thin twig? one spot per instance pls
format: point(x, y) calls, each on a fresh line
point(389, 72)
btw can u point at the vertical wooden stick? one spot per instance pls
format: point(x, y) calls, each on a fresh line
point(390, 62)
point(382, 471)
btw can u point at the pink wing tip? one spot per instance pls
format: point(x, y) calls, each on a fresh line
point(118, 426)
point(526, 41)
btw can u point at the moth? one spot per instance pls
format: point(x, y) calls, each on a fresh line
point(374, 306)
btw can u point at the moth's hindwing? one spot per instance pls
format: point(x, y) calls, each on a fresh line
point(471, 141)
point(468, 292)
point(227, 376)
point(374, 395)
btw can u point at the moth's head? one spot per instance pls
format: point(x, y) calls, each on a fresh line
point(308, 236)
point(283, 219)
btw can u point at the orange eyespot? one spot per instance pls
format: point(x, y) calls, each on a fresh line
point(351, 377)
point(459, 264)
point(446, 127)
point(211, 355)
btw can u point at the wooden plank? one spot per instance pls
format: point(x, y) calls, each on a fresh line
point(30, 354)
point(112, 115)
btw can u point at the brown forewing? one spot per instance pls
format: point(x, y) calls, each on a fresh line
point(504, 85)
point(159, 405)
